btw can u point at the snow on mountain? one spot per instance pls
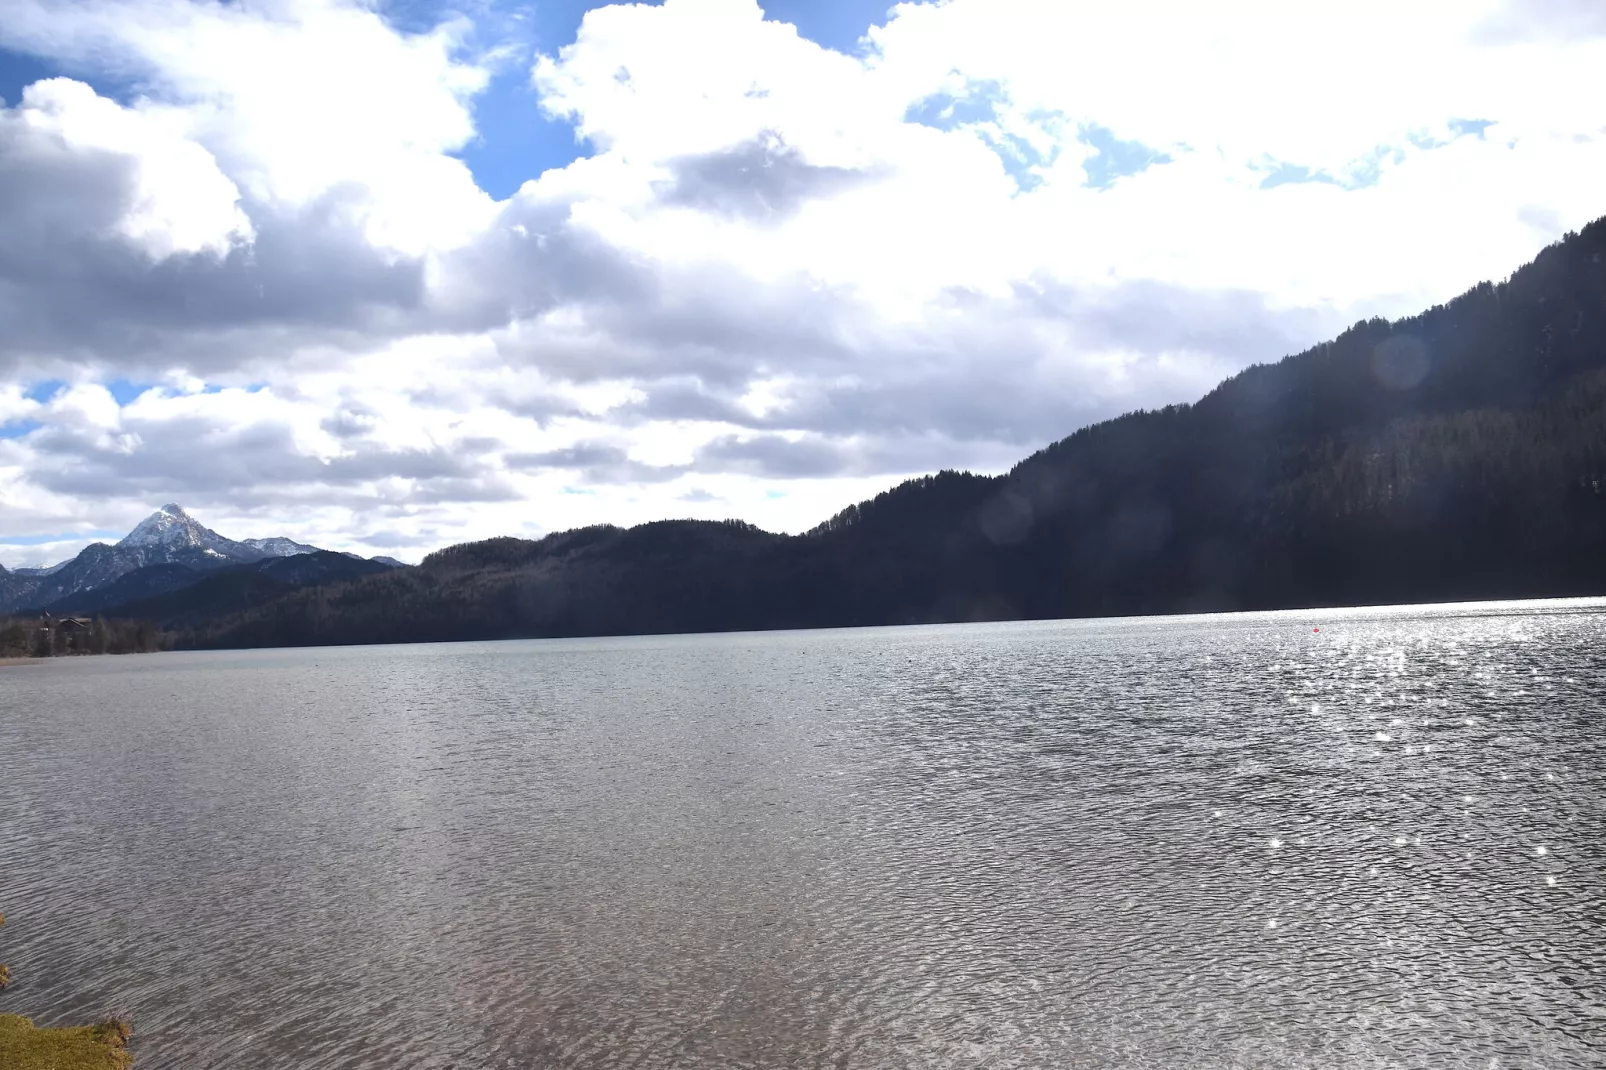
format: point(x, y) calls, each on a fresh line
point(42, 570)
point(169, 536)
point(171, 529)
point(279, 546)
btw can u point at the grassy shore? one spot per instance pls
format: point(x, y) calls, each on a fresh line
point(23, 1046)
point(83, 1047)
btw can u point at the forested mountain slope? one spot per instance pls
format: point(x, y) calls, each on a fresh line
point(1457, 454)
point(173, 595)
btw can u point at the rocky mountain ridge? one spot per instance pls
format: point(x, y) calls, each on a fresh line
point(169, 537)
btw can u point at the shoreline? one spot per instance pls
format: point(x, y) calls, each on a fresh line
point(25, 1046)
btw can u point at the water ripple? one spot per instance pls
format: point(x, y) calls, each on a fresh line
point(1203, 842)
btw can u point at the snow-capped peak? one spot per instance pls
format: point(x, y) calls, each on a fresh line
point(170, 527)
point(170, 530)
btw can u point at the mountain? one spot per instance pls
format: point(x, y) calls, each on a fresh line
point(144, 582)
point(179, 548)
point(99, 564)
point(592, 581)
point(152, 594)
point(322, 566)
point(1457, 454)
point(135, 594)
point(280, 547)
point(10, 583)
point(42, 570)
point(172, 531)
point(220, 594)
point(167, 537)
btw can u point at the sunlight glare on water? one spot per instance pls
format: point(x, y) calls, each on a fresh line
point(1203, 842)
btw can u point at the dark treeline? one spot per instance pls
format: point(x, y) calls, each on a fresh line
point(35, 637)
point(1458, 454)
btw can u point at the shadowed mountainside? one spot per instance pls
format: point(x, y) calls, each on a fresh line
point(1458, 454)
point(176, 596)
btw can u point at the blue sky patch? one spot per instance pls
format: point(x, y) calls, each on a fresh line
point(19, 428)
point(415, 16)
point(44, 390)
point(124, 392)
point(836, 24)
point(1469, 127)
point(1362, 173)
point(1459, 128)
point(976, 107)
point(1283, 174)
point(1115, 158)
point(1019, 157)
point(516, 140)
point(1368, 169)
point(978, 103)
point(18, 71)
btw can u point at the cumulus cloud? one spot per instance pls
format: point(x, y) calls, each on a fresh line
point(75, 164)
point(296, 98)
point(783, 278)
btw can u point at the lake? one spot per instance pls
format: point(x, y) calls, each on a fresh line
point(1200, 842)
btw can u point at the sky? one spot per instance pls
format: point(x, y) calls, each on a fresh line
point(385, 276)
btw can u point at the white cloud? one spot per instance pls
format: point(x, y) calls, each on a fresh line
point(169, 196)
point(297, 98)
point(787, 277)
point(692, 76)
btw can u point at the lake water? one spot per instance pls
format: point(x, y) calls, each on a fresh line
point(1188, 842)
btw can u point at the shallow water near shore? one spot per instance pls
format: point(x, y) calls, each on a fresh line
point(1204, 842)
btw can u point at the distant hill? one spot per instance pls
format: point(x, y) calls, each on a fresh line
point(1456, 454)
point(591, 581)
point(321, 566)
